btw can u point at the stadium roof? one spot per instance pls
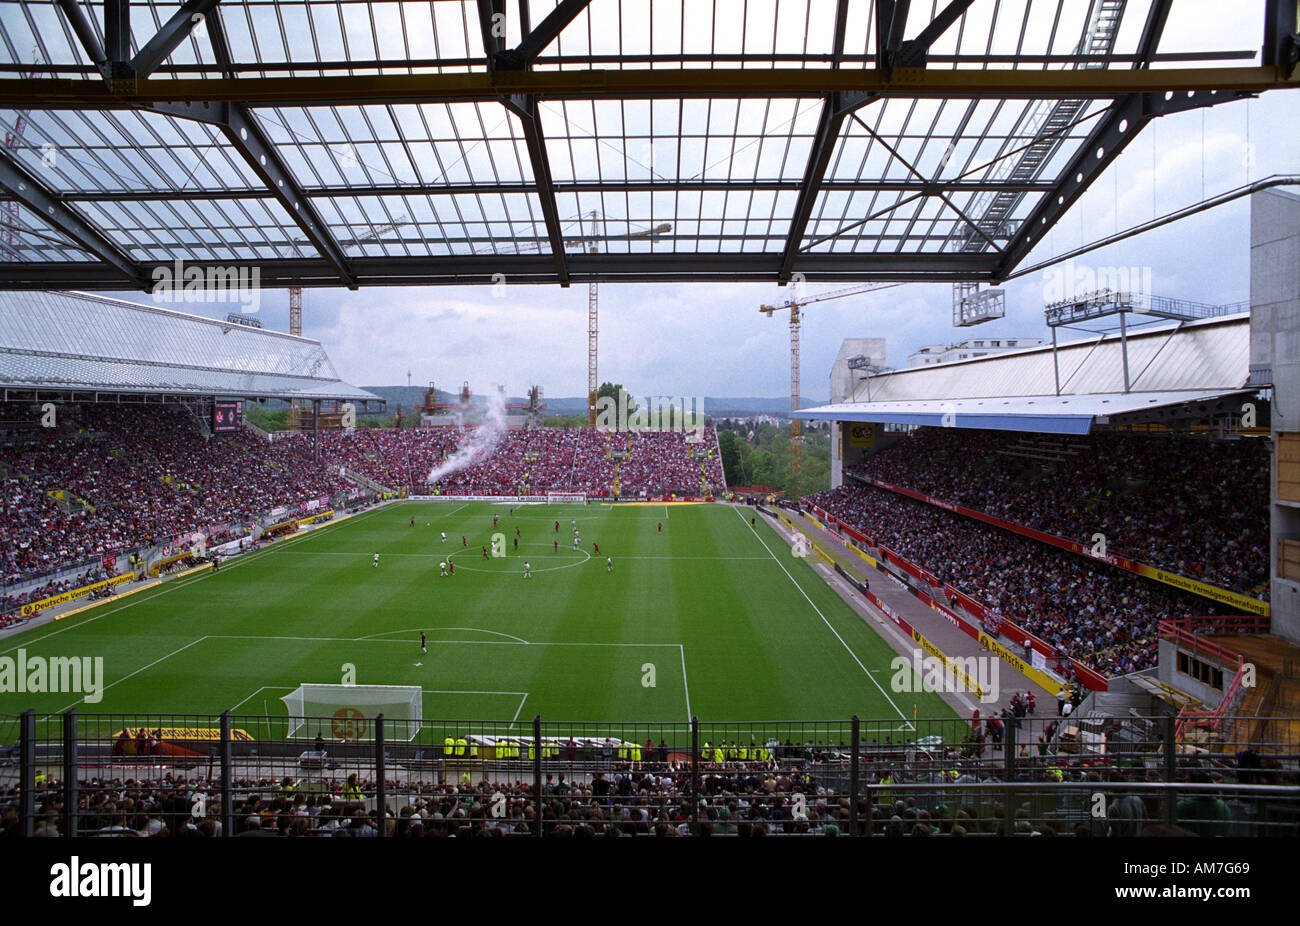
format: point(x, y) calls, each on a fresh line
point(1170, 367)
point(351, 142)
point(72, 342)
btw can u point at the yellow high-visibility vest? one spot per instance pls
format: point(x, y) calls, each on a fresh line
point(462, 746)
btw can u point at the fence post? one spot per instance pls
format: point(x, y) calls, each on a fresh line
point(381, 797)
point(1171, 770)
point(227, 782)
point(853, 778)
point(537, 772)
point(1009, 755)
point(70, 772)
point(695, 776)
point(27, 772)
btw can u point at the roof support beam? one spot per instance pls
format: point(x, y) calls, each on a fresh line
point(525, 109)
point(173, 32)
point(492, 27)
point(546, 32)
point(243, 132)
point(968, 84)
point(117, 44)
point(891, 21)
point(22, 188)
point(246, 136)
point(1124, 122)
point(928, 187)
point(85, 32)
point(538, 269)
point(1281, 42)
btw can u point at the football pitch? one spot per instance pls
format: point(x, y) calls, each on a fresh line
point(701, 614)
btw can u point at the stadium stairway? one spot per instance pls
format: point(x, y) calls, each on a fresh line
point(1268, 712)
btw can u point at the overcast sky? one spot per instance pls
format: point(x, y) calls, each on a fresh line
point(710, 339)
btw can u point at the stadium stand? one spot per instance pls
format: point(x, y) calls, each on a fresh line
point(112, 478)
point(1101, 616)
point(1193, 506)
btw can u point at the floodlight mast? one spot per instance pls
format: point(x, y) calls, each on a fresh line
point(793, 304)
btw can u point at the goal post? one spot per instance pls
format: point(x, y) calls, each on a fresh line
point(566, 498)
point(343, 713)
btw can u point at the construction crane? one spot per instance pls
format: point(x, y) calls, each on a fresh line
point(10, 227)
point(590, 241)
point(593, 303)
point(794, 303)
point(300, 409)
point(295, 292)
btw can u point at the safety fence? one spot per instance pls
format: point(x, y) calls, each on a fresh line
point(228, 775)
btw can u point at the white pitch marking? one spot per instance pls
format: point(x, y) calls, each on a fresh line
point(414, 630)
point(865, 670)
point(136, 672)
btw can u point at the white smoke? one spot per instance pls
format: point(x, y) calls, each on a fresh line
point(479, 444)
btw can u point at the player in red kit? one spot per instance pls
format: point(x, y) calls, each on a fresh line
point(596, 548)
point(413, 522)
point(557, 546)
point(516, 533)
point(463, 541)
point(485, 556)
point(557, 527)
point(494, 520)
point(661, 527)
point(451, 567)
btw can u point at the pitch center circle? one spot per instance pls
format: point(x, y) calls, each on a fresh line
point(585, 558)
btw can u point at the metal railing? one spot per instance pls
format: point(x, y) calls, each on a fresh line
point(105, 774)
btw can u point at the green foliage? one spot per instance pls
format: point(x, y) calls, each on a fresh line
point(265, 419)
point(612, 390)
point(766, 459)
point(565, 421)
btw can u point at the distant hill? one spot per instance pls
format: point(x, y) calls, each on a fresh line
point(718, 407)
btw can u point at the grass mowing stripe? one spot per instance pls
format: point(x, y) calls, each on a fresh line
point(865, 670)
point(136, 672)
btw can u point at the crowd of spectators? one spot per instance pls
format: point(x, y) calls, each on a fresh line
point(802, 798)
point(530, 461)
point(1191, 505)
point(1104, 617)
point(131, 476)
point(115, 478)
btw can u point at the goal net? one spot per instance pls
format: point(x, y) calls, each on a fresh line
point(566, 498)
point(342, 713)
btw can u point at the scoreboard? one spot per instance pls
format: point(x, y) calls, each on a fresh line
point(227, 416)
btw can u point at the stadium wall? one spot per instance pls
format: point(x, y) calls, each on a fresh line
point(1275, 348)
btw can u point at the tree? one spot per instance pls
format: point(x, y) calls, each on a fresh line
point(612, 390)
point(732, 457)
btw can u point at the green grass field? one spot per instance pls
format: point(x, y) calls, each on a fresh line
point(732, 625)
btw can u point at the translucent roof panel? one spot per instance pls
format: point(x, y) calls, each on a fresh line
point(72, 339)
point(342, 142)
